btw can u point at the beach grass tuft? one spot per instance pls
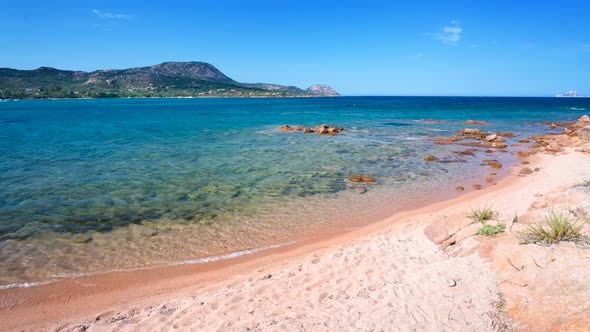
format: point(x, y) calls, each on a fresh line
point(489, 230)
point(555, 227)
point(483, 214)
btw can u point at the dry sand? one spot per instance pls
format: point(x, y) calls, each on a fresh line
point(387, 276)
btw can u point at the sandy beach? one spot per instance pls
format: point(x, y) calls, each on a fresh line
point(424, 269)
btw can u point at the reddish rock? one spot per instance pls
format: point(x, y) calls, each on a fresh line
point(477, 186)
point(524, 140)
point(328, 130)
point(584, 118)
point(465, 153)
point(495, 164)
point(361, 178)
point(322, 130)
point(460, 188)
point(523, 154)
point(308, 130)
point(466, 232)
point(430, 158)
point(285, 128)
point(442, 229)
point(553, 147)
point(525, 171)
point(471, 131)
point(298, 128)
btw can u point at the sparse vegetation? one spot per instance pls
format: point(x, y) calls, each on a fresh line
point(483, 214)
point(554, 228)
point(489, 230)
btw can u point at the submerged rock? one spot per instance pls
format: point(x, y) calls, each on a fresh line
point(525, 171)
point(360, 190)
point(361, 178)
point(471, 131)
point(430, 158)
point(476, 122)
point(523, 154)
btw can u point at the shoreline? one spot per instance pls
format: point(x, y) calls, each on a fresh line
point(429, 239)
point(320, 233)
point(135, 287)
point(372, 206)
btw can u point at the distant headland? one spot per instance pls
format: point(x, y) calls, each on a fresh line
point(168, 79)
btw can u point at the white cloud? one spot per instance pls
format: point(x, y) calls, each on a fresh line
point(450, 34)
point(110, 16)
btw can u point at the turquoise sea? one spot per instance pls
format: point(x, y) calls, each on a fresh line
point(97, 185)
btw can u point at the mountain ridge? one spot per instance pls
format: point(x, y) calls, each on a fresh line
point(167, 79)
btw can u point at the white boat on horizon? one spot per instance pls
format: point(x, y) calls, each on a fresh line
point(570, 94)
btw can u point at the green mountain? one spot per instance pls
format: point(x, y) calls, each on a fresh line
point(168, 79)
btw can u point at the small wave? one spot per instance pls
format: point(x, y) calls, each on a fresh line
point(577, 108)
point(23, 284)
point(232, 254)
point(203, 260)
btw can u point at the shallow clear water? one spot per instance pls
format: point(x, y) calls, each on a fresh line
point(92, 185)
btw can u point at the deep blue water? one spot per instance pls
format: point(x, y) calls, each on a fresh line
point(89, 167)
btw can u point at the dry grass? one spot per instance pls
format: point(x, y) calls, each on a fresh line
point(483, 214)
point(554, 228)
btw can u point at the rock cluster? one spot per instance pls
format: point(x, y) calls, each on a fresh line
point(477, 138)
point(321, 129)
point(576, 134)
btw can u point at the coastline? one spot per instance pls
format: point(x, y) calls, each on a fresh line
point(124, 295)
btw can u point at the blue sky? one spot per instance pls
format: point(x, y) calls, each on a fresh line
point(521, 48)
